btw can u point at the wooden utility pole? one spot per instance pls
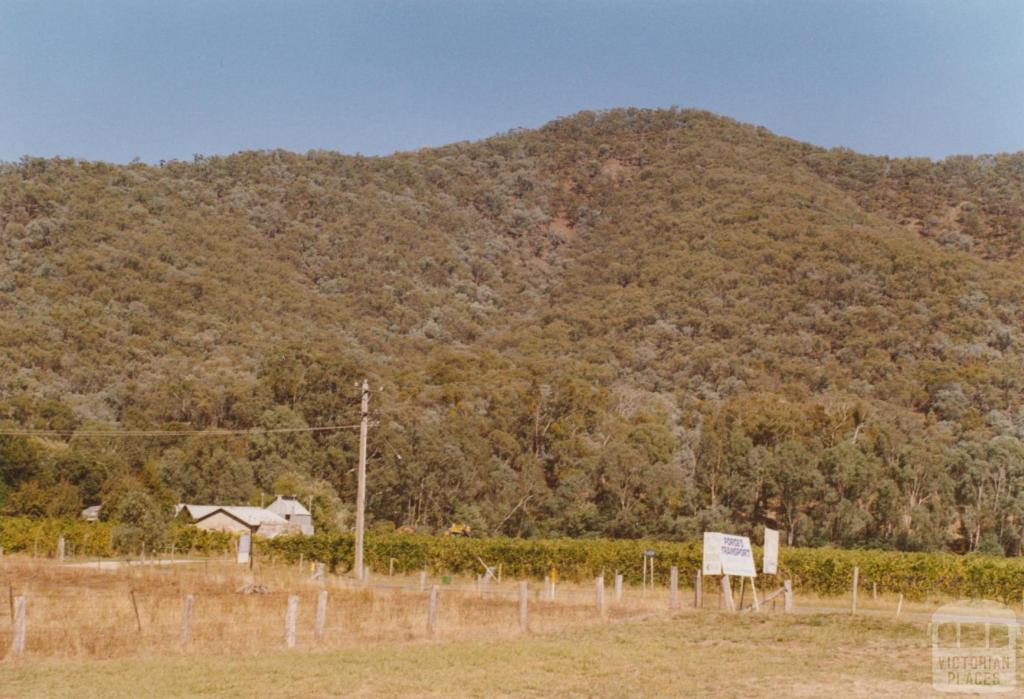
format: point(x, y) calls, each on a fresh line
point(361, 483)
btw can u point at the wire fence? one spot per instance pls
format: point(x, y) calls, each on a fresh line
point(78, 609)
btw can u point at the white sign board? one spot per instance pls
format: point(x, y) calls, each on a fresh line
point(725, 553)
point(712, 553)
point(244, 547)
point(770, 564)
point(737, 556)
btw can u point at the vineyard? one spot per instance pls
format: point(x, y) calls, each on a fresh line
point(823, 571)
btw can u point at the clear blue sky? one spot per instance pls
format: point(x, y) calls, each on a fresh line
point(113, 80)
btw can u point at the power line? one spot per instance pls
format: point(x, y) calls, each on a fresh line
point(169, 433)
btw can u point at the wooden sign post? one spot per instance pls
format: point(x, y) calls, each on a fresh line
point(648, 564)
point(728, 555)
point(727, 600)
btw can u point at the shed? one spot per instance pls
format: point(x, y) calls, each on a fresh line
point(294, 512)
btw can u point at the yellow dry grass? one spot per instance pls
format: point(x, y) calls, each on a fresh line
point(82, 611)
point(83, 640)
point(683, 655)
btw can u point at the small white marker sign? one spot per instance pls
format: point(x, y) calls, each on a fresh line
point(770, 564)
point(244, 547)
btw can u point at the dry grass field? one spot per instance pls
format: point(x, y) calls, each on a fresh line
point(87, 610)
point(83, 639)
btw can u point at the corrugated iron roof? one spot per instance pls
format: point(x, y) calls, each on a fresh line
point(287, 505)
point(252, 516)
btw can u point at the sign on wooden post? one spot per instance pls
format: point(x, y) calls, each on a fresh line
point(727, 600)
point(60, 548)
point(618, 587)
point(432, 611)
point(522, 606)
point(321, 615)
point(186, 620)
point(599, 598)
point(770, 561)
point(18, 640)
point(673, 588)
point(290, 618)
point(728, 554)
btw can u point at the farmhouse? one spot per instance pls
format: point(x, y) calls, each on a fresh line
point(292, 510)
point(232, 518)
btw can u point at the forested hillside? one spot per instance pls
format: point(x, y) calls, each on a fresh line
point(624, 323)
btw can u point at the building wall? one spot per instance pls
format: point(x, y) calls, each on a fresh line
point(305, 523)
point(220, 522)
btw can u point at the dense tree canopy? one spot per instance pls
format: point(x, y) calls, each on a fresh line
point(624, 323)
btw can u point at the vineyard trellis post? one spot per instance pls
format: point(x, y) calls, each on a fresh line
point(522, 606)
point(321, 615)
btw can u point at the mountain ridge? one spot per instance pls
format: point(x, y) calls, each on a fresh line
point(624, 317)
